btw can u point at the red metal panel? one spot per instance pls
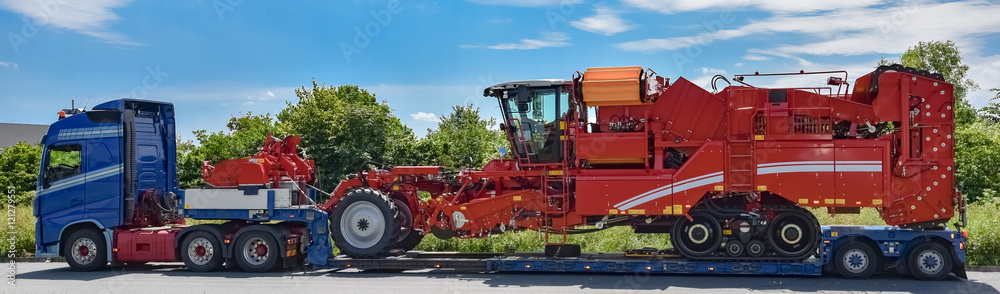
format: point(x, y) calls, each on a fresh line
point(860, 174)
point(690, 112)
point(145, 245)
point(598, 195)
point(802, 174)
point(604, 148)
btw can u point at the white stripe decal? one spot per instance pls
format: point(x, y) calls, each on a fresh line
point(762, 169)
point(82, 178)
point(677, 189)
point(657, 190)
point(817, 162)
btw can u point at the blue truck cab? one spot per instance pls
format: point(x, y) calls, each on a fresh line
point(93, 165)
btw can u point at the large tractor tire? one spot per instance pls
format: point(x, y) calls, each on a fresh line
point(364, 224)
point(408, 237)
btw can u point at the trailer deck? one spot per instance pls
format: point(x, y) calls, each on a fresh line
point(587, 263)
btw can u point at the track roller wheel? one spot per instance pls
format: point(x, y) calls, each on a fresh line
point(735, 248)
point(856, 260)
point(698, 237)
point(794, 234)
point(929, 261)
point(756, 248)
point(364, 224)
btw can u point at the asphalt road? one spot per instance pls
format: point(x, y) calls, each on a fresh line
point(174, 278)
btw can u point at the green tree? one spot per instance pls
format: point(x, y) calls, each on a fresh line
point(20, 166)
point(465, 139)
point(244, 138)
point(344, 128)
point(978, 159)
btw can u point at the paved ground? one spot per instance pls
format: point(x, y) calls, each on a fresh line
point(173, 278)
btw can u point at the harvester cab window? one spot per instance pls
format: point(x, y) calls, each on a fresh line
point(538, 118)
point(62, 162)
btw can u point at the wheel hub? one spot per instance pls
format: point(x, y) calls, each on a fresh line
point(930, 262)
point(84, 248)
point(856, 260)
point(256, 251)
point(791, 233)
point(698, 234)
point(363, 224)
point(201, 251)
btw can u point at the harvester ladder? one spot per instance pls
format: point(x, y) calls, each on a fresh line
point(741, 166)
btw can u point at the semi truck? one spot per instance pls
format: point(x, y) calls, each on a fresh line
point(727, 174)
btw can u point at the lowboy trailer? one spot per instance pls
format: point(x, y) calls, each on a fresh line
point(727, 174)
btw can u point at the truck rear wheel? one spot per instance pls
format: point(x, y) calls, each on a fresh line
point(85, 250)
point(257, 252)
point(201, 252)
point(364, 224)
point(929, 261)
point(856, 260)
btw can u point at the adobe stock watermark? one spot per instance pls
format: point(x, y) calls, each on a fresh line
point(11, 241)
point(29, 27)
point(225, 6)
point(363, 37)
point(561, 13)
point(152, 80)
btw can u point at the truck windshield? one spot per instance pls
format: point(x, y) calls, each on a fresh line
point(534, 124)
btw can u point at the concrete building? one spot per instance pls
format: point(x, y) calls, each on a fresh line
point(11, 133)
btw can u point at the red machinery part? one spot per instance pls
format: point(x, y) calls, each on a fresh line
point(277, 161)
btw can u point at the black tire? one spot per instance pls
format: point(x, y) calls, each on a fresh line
point(856, 260)
point(201, 252)
point(408, 237)
point(257, 252)
point(364, 224)
point(698, 238)
point(929, 261)
point(794, 234)
point(85, 250)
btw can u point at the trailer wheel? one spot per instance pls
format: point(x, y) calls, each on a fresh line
point(85, 250)
point(856, 260)
point(364, 224)
point(257, 252)
point(201, 252)
point(929, 261)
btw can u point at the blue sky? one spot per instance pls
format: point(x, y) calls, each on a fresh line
point(219, 58)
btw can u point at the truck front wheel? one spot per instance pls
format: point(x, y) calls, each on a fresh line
point(201, 252)
point(85, 250)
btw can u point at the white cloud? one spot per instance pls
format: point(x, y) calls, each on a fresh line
point(777, 6)
point(553, 39)
point(738, 64)
point(269, 93)
point(858, 31)
point(527, 3)
point(91, 18)
point(605, 22)
point(9, 64)
point(712, 71)
point(985, 71)
point(423, 116)
point(755, 57)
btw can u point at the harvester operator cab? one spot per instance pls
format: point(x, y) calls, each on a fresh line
point(533, 114)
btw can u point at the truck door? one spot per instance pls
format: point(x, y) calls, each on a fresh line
point(61, 198)
point(103, 199)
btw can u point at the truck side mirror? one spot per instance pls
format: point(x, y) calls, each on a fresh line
point(522, 94)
